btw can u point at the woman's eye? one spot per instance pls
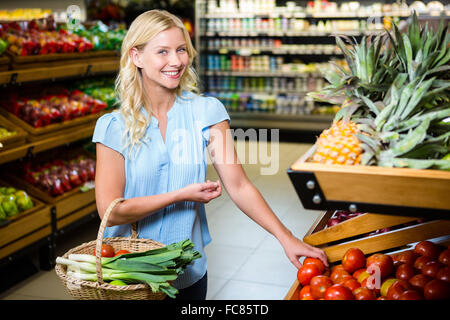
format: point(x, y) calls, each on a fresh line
point(182, 49)
point(163, 51)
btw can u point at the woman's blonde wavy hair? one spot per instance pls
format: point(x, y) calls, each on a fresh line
point(129, 83)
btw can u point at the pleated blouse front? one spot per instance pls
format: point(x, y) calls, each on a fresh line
point(163, 166)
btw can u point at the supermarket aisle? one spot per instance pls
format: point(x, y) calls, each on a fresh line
point(245, 262)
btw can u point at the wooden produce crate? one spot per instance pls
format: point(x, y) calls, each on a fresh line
point(13, 141)
point(65, 203)
point(336, 240)
point(400, 191)
point(24, 228)
point(54, 129)
point(56, 59)
point(4, 62)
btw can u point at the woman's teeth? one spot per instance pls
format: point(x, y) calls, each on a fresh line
point(171, 73)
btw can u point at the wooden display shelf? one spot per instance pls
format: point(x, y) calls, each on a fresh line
point(72, 217)
point(12, 141)
point(64, 203)
point(55, 59)
point(336, 240)
point(399, 191)
point(61, 70)
point(4, 62)
point(47, 143)
point(54, 129)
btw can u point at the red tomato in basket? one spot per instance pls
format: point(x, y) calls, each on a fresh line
point(107, 250)
point(118, 253)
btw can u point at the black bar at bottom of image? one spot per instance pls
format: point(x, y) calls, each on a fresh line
point(219, 309)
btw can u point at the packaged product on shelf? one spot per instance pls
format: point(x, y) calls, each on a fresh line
point(60, 175)
point(41, 111)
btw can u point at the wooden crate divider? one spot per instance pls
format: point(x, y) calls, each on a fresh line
point(361, 224)
point(73, 203)
point(72, 217)
point(337, 239)
point(24, 231)
point(391, 239)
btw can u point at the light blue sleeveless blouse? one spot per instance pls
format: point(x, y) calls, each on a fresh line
point(161, 167)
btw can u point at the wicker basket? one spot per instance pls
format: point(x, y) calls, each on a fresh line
point(99, 290)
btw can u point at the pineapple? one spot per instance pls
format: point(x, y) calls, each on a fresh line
point(339, 145)
point(395, 101)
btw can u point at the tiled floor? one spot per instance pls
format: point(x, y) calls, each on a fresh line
point(244, 261)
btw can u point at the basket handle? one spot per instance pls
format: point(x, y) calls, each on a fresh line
point(101, 230)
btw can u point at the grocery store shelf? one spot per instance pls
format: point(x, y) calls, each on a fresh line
point(280, 121)
point(324, 15)
point(64, 70)
point(277, 51)
point(262, 74)
point(63, 138)
point(288, 33)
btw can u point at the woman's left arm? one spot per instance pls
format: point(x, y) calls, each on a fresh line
point(248, 199)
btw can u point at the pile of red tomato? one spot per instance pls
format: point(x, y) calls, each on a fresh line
point(419, 274)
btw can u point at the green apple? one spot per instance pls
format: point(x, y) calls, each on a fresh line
point(10, 190)
point(24, 203)
point(9, 205)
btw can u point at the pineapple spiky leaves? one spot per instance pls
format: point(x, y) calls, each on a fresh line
point(395, 100)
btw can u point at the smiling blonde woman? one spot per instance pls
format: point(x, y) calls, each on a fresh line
point(153, 152)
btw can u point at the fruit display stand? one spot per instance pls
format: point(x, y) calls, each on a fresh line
point(67, 206)
point(48, 131)
point(390, 196)
point(24, 228)
point(17, 74)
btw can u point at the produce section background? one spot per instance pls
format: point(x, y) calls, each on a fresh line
point(244, 261)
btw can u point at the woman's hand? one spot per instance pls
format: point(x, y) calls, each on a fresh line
point(201, 192)
point(295, 249)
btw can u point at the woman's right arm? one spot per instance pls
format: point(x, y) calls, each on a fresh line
point(110, 185)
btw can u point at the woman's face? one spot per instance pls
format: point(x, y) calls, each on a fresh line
point(164, 59)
